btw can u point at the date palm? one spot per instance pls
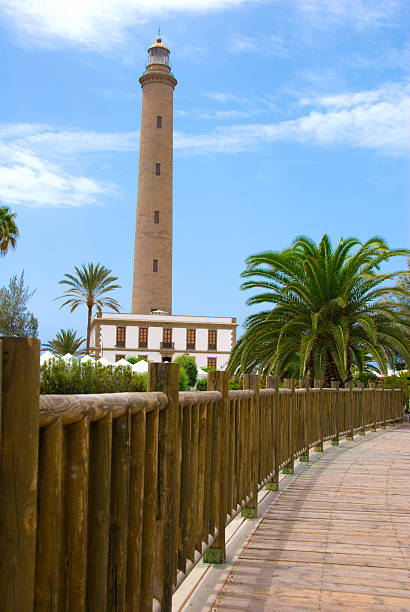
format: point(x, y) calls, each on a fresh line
point(66, 341)
point(324, 310)
point(90, 285)
point(8, 230)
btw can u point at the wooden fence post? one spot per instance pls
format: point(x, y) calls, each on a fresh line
point(19, 435)
point(219, 381)
point(382, 408)
point(362, 431)
point(373, 410)
point(319, 385)
point(349, 435)
point(304, 384)
point(165, 377)
point(251, 381)
point(390, 400)
point(272, 382)
point(289, 467)
point(335, 386)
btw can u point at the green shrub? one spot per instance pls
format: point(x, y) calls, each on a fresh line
point(188, 363)
point(58, 377)
point(201, 384)
point(399, 381)
point(235, 383)
point(183, 379)
point(133, 360)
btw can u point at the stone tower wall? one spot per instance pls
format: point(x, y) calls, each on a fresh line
point(153, 241)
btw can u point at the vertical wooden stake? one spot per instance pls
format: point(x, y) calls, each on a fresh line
point(335, 386)
point(373, 412)
point(349, 435)
point(251, 381)
point(165, 377)
point(319, 385)
point(304, 384)
point(272, 382)
point(19, 433)
point(219, 381)
point(362, 431)
point(289, 467)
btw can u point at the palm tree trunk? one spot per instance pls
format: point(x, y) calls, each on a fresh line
point(90, 310)
point(331, 371)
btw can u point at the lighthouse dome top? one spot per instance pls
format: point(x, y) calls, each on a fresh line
point(158, 53)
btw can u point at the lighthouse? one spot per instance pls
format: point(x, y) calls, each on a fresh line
point(152, 279)
point(150, 331)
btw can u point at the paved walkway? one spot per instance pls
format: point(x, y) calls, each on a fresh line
point(337, 539)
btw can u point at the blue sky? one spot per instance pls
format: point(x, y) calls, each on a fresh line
point(291, 117)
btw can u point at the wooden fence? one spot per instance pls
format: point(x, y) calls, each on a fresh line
point(107, 501)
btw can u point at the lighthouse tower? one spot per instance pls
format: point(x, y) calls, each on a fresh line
point(152, 280)
point(150, 330)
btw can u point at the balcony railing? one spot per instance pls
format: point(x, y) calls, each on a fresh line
point(167, 345)
point(212, 347)
point(190, 346)
point(142, 344)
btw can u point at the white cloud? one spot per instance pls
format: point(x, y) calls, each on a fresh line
point(378, 119)
point(101, 25)
point(242, 43)
point(267, 45)
point(35, 159)
point(69, 142)
point(98, 24)
point(221, 96)
point(32, 172)
point(360, 12)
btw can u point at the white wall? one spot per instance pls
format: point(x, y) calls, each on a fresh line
point(202, 339)
point(224, 340)
point(154, 337)
point(179, 337)
point(108, 335)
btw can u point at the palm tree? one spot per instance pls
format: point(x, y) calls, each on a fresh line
point(8, 230)
point(89, 286)
point(324, 310)
point(66, 341)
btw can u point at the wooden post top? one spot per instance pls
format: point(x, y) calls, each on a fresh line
point(272, 382)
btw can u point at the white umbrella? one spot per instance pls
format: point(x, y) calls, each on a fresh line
point(201, 374)
point(141, 367)
point(86, 359)
point(104, 361)
point(46, 357)
point(122, 362)
point(68, 358)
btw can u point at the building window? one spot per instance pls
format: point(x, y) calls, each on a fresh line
point(156, 216)
point(158, 169)
point(119, 357)
point(212, 339)
point(143, 337)
point(212, 363)
point(120, 336)
point(159, 121)
point(190, 339)
point(155, 265)
point(167, 339)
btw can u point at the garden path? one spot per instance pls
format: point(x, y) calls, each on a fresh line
point(338, 538)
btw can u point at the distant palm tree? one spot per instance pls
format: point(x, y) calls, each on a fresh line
point(88, 286)
point(66, 341)
point(8, 230)
point(324, 310)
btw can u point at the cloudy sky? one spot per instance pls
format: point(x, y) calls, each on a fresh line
point(291, 117)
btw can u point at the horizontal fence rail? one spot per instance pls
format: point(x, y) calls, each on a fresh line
point(107, 501)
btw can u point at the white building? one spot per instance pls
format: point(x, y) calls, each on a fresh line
point(160, 337)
